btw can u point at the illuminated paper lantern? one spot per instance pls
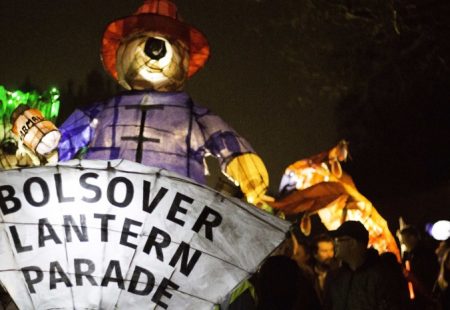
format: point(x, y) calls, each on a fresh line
point(153, 16)
point(318, 185)
point(120, 235)
point(152, 59)
point(47, 102)
point(162, 129)
point(38, 134)
point(152, 53)
point(248, 172)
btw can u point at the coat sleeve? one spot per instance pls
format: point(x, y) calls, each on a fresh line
point(236, 157)
point(77, 132)
point(221, 140)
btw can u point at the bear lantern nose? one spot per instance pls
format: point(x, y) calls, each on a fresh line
point(155, 48)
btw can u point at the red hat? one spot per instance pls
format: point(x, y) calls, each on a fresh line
point(159, 16)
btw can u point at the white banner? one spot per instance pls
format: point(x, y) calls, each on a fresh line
point(120, 235)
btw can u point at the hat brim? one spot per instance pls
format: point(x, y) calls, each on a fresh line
point(361, 236)
point(119, 29)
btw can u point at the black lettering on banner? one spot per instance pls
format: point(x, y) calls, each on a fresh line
point(113, 266)
point(82, 233)
point(127, 232)
point(31, 281)
point(59, 190)
point(183, 253)
point(51, 233)
point(162, 291)
point(202, 220)
point(19, 247)
point(151, 241)
point(175, 208)
point(10, 192)
point(149, 283)
point(28, 192)
point(55, 268)
point(156, 200)
point(79, 273)
point(94, 188)
point(129, 192)
point(104, 224)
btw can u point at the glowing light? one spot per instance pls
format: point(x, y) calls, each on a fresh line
point(361, 205)
point(94, 122)
point(440, 230)
point(348, 203)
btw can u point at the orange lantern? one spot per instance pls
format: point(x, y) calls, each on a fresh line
point(319, 185)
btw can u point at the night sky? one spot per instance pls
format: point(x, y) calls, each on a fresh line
point(279, 77)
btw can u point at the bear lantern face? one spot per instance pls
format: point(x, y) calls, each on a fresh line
point(152, 62)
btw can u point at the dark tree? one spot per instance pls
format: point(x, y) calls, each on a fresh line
point(397, 120)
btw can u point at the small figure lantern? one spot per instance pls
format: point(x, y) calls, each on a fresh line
point(38, 134)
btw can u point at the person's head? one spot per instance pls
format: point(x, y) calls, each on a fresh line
point(323, 249)
point(350, 239)
point(409, 237)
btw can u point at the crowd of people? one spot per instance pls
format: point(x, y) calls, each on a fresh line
point(338, 271)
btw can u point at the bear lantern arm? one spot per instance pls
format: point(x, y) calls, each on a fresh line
point(77, 132)
point(249, 171)
point(238, 160)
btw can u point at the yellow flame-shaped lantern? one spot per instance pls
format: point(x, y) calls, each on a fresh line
point(38, 134)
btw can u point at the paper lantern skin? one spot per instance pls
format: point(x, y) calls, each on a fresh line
point(159, 129)
point(37, 133)
point(311, 186)
point(157, 124)
point(157, 16)
point(62, 255)
point(166, 72)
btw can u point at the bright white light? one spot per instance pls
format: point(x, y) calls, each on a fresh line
point(48, 143)
point(440, 230)
point(94, 123)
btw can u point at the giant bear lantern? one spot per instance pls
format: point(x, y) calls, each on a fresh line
point(152, 53)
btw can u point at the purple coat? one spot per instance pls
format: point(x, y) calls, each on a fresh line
point(159, 129)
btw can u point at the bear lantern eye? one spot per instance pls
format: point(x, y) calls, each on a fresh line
point(155, 48)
